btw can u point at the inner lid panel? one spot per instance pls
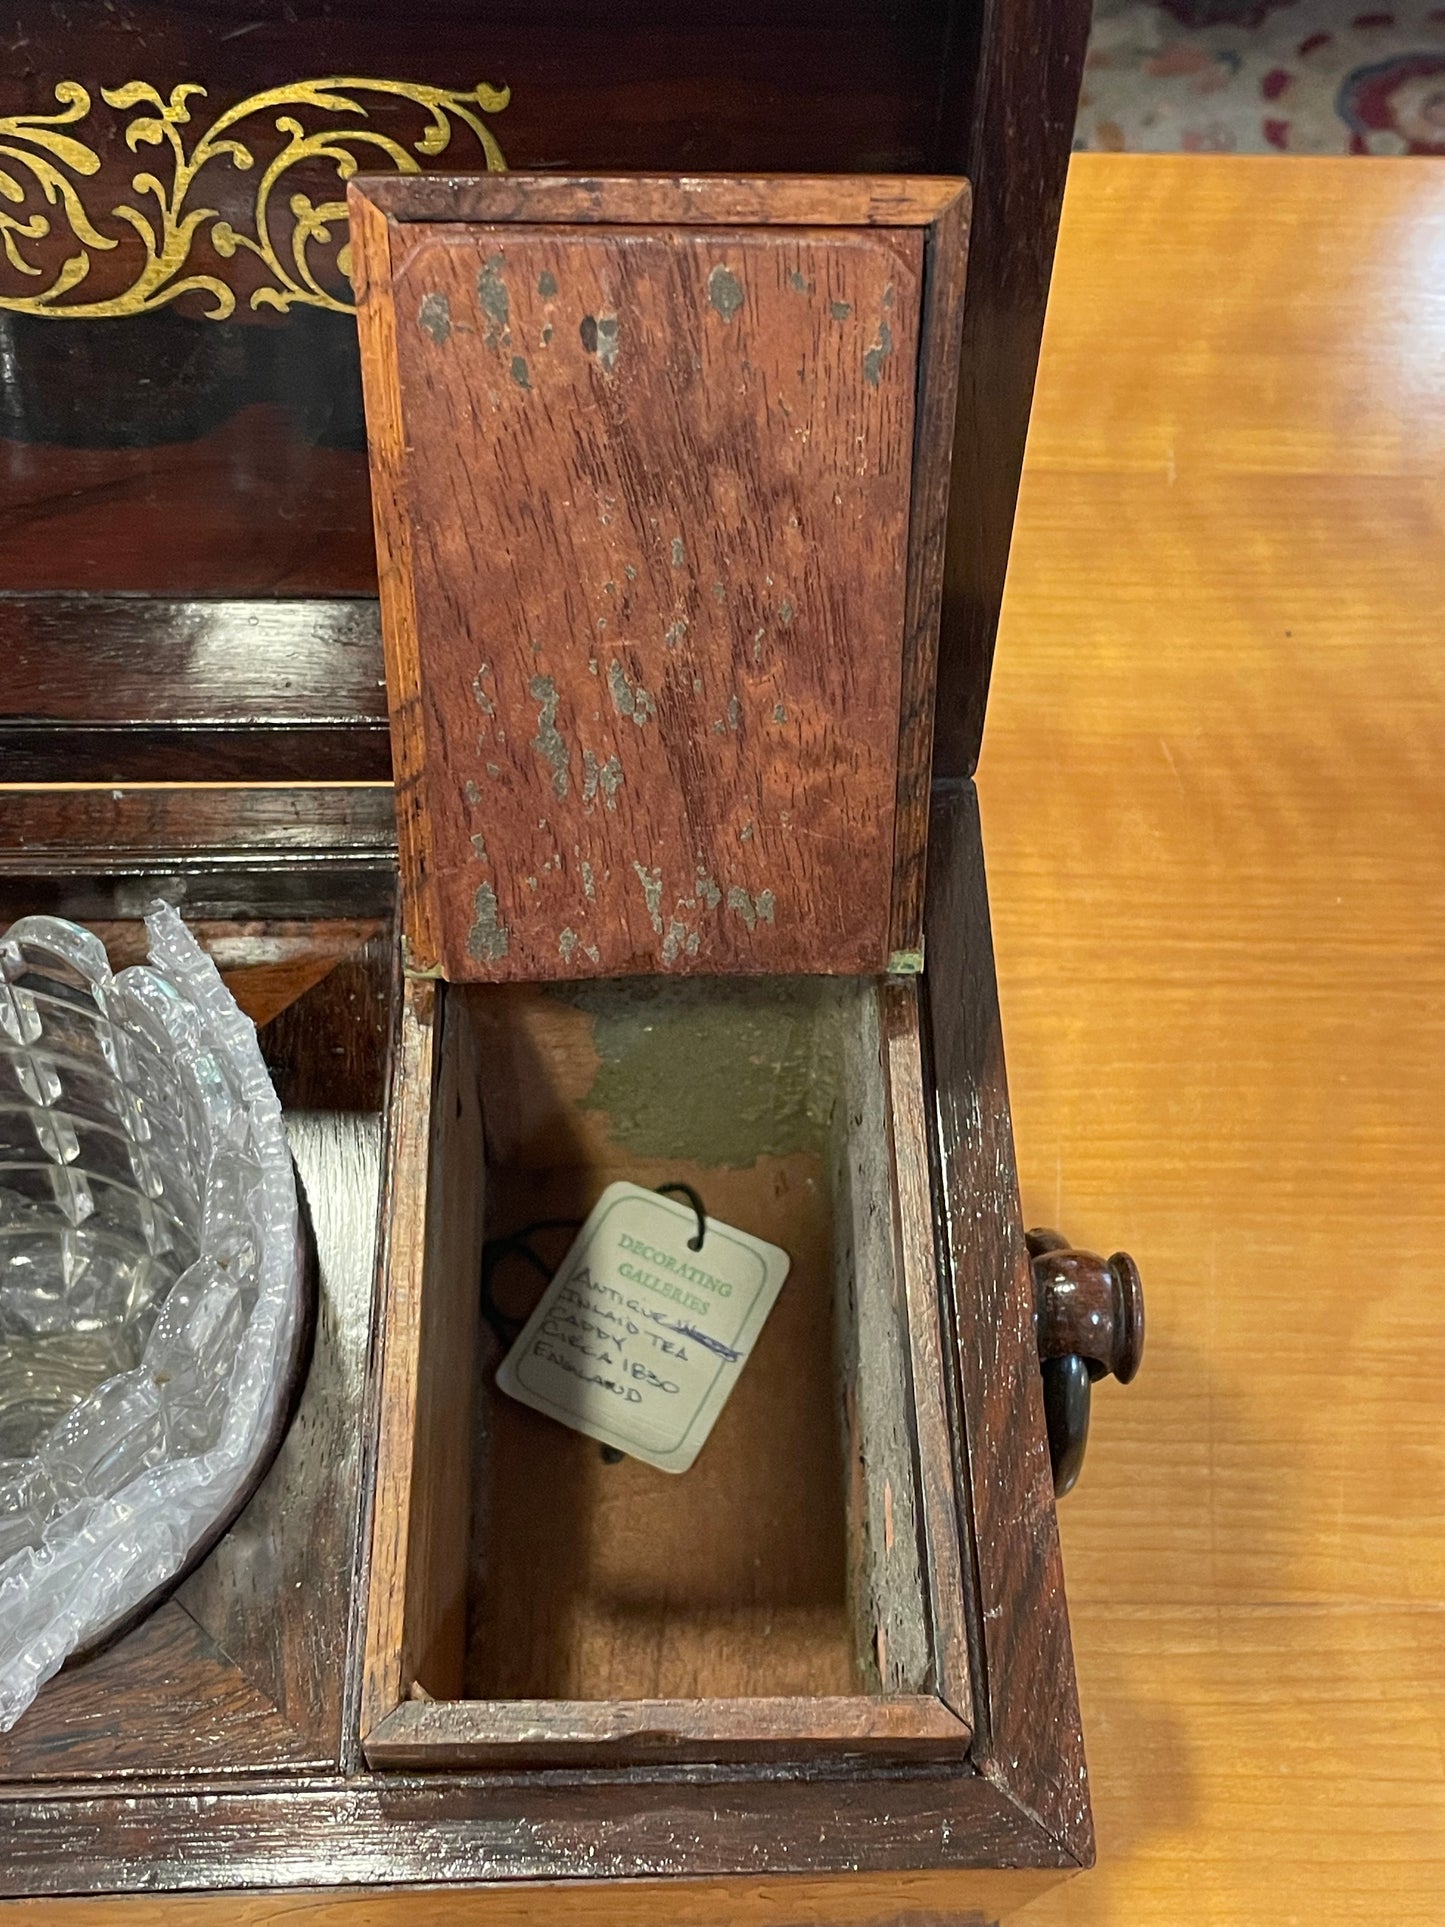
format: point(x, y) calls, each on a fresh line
point(657, 484)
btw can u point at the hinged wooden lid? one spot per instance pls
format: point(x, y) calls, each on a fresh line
point(661, 472)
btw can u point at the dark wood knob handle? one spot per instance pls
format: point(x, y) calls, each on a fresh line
point(1089, 1318)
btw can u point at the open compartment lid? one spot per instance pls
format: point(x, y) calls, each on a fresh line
point(660, 472)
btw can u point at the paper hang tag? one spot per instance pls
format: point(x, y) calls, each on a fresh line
point(639, 1340)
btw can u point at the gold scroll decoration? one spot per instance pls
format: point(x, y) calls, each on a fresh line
point(46, 163)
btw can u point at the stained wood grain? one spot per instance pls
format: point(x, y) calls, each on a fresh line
point(469, 1733)
point(910, 1191)
point(1225, 598)
point(50, 831)
point(840, 200)
point(398, 1356)
point(166, 1699)
point(278, 1594)
point(435, 1179)
point(1026, 1704)
point(400, 1830)
point(439, 1503)
point(661, 686)
point(265, 966)
point(116, 689)
point(888, 1584)
point(376, 321)
point(234, 853)
point(933, 463)
point(1008, 99)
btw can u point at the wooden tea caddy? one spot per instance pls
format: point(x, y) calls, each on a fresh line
point(654, 1679)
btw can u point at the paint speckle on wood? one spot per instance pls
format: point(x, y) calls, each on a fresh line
point(651, 881)
point(840, 310)
point(434, 317)
point(495, 303)
point(601, 337)
point(876, 356)
point(546, 284)
point(488, 940)
point(520, 372)
point(629, 699)
point(548, 741)
point(724, 291)
point(604, 777)
point(752, 910)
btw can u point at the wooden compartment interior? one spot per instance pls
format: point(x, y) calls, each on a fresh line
point(791, 1561)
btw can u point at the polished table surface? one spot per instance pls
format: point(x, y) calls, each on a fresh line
point(1213, 791)
point(1214, 805)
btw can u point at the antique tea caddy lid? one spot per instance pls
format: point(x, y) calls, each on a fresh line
point(660, 476)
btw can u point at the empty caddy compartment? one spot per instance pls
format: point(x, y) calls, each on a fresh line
point(799, 1591)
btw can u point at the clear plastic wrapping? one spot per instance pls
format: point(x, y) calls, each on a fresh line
point(150, 1279)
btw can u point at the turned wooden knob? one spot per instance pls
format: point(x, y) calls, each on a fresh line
point(1089, 1318)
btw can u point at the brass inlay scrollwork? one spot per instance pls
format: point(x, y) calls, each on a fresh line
point(44, 159)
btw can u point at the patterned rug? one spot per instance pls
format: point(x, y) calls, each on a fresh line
point(1265, 76)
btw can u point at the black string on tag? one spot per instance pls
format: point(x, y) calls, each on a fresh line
point(518, 1244)
point(693, 1244)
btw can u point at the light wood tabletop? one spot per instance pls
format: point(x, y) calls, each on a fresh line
point(1213, 793)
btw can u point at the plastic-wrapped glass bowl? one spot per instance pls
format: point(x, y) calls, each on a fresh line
point(152, 1307)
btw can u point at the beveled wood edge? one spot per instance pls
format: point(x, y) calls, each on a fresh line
point(682, 1822)
point(142, 641)
point(1029, 1737)
point(69, 829)
point(401, 1260)
point(927, 1363)
point(945, 271)
point(371, 237)
point(451, 1734)
point(648, 200)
